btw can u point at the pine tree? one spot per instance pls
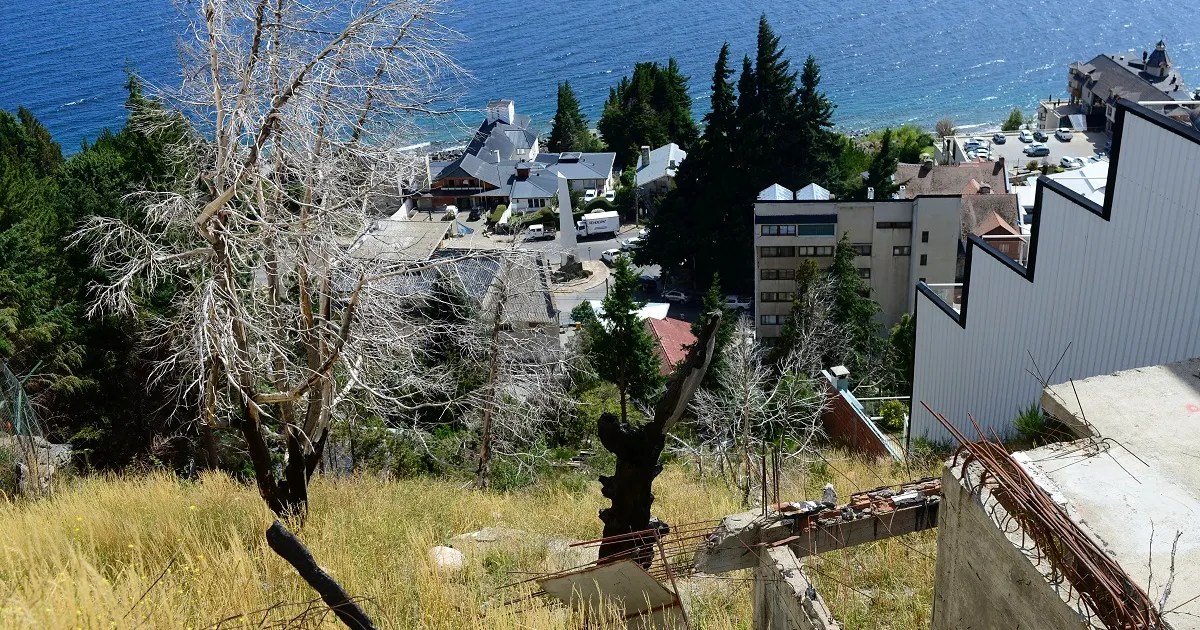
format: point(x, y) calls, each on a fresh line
point(881, 174)
point(569, 131)
point(815, 139)
point(854, 309)
point(623, 350)
point(720, 123)
point(675, 105)
point(902, 344)
point(714, 300)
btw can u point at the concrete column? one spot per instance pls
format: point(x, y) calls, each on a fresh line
point(784, 598)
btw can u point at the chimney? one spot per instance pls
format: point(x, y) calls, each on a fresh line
point(843, 377)
point(1144, 56)
point(871, 193)
point(985, 189)
point(497, 152)
point(523, 170)
point(645, 156)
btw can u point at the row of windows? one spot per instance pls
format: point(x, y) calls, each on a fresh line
point(820, 229)
point(777, 274)
point(902, 250)
point(893, 225)
point(862, 249)
point(537, 203)
point(792, 252)
point(790, 274)
point(777, 296)
point(772, 320)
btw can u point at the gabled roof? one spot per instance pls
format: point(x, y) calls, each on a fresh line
point(812, 192)
point(523, 282)
point(995, 223)
point(775, 192)
point(672, 338)
point(937, 179)
point(659, 165)
point(977, 210)
point(1124, 75)
point(579, 165)
point(400, 241)
point(542, 183)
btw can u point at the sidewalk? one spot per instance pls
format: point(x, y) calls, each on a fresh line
point(599, 276)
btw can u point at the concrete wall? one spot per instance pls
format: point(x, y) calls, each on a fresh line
point(782, 596)
point(984, 580)
point(1116, 282)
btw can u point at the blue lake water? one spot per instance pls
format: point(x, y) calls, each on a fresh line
point(884, 62)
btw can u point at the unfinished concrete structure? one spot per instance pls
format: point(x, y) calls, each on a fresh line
point(773, 541)
point(1130, 483)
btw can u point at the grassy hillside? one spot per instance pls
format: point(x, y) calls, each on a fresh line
point(155, 552)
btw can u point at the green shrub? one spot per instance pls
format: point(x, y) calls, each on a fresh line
point(892, 413)
point(1014, 121)
point(1032, 165)
point(599, 204)
point(494, 217)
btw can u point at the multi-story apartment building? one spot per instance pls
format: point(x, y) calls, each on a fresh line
point(901, 241)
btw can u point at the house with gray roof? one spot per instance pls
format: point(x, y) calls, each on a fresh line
point(1097, 85)
point(656, 169)
point(503, 164)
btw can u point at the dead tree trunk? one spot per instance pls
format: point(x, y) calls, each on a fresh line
point(285, 543)
point(638, 448)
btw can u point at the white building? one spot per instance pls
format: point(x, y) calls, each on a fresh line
point(1109, 285)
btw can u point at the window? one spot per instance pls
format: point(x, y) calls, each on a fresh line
point(537, 203)
point(777, 274)
point(862, 249)
point(824, 250)
point(776, 296)
point(902, 250)
point(924, 259)
point(822, 229)
point(772, 320)
point(864, 273)
point(925, 236)
point(894, 225)
point(777, 252)
point(778, 230)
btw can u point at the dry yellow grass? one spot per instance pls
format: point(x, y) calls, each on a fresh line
point(88, 556)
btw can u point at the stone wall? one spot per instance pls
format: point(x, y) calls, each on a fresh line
point(784, 598)
point(985, 580)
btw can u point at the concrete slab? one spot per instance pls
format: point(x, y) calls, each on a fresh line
point(1139, 476)
point(623, 588)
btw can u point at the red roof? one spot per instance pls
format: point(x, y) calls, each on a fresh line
point(672, 338)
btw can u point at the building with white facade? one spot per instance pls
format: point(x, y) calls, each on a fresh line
point(1110, 283)
point(913, 237)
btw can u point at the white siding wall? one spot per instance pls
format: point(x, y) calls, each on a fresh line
point(1123, 293)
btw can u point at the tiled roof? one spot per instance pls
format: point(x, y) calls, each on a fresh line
point(977, 210)
point(1123, 75)
point(994, 222)
point(924, 179)
point(673, 337)
point(524, 284)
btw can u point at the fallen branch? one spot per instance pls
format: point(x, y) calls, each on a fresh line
point(285, 543)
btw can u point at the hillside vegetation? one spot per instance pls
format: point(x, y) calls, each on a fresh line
point(152, 551)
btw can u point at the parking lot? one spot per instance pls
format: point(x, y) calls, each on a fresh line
point(1081, 145)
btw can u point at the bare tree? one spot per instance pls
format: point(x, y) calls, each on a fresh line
point(295, 114)
point(756, 405)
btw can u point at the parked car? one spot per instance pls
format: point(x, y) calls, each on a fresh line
point(1025, 136)
point(981, 154)
point(1067, 161)
point(589, 195)
point(643, 232)
point(675, 296)
point(999, 138)
point(474, 215)
point(631, 244)
point(648, 283)
point(1063, 134)
point(539, 232)
point(1037, 149)
point(1039, 136)
point(609, 256)
point(975, 144)
point(737, 303)
point(610, 195)
point(452, 211)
